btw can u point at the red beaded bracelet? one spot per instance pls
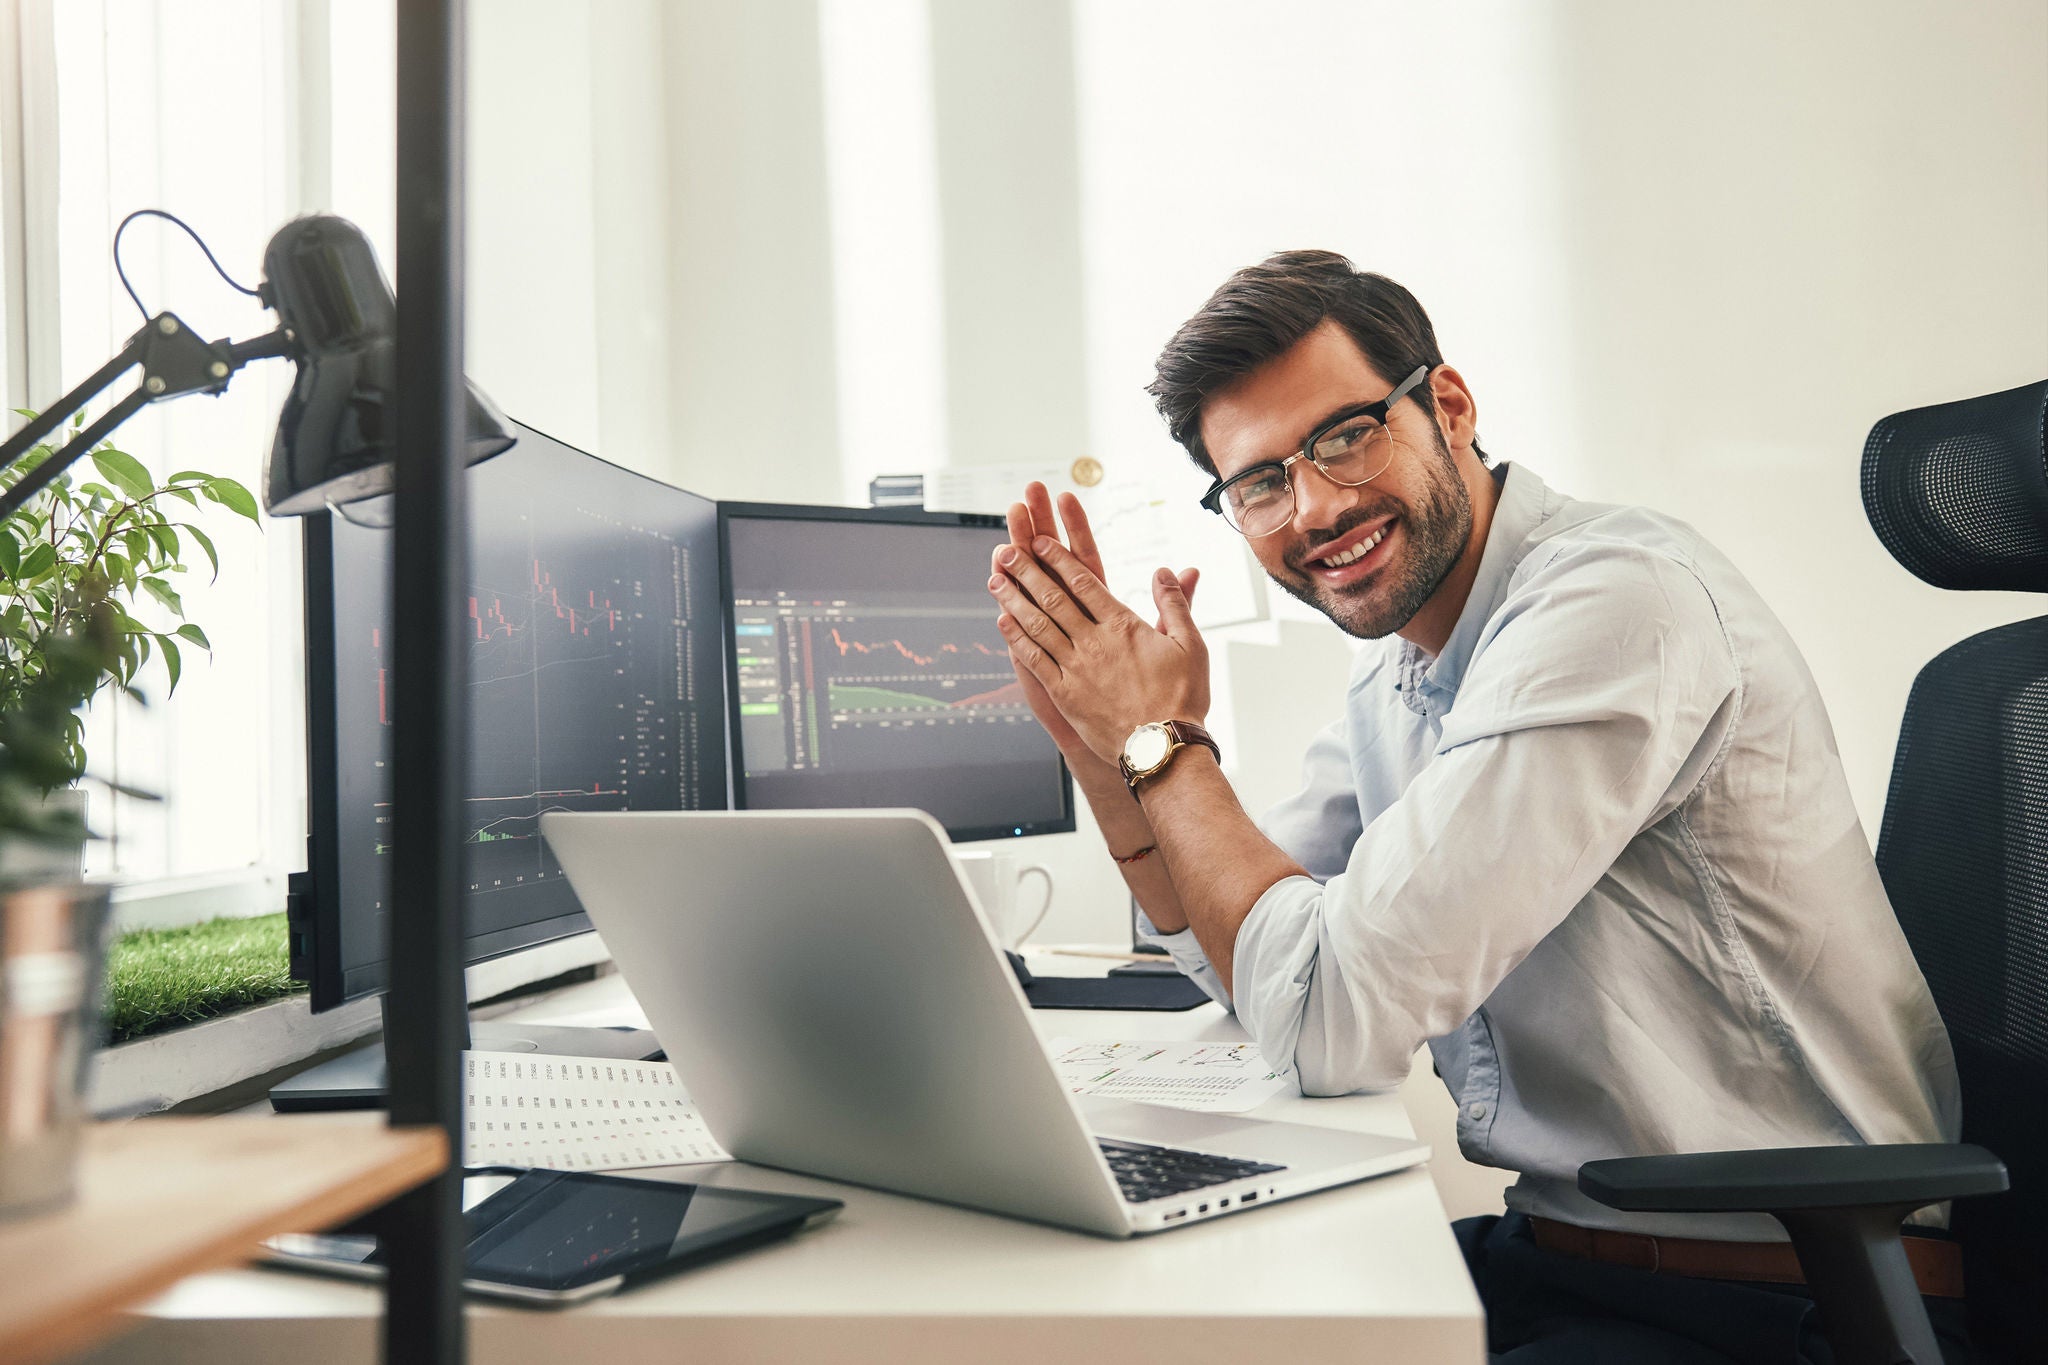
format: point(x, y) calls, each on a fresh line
point(1143, 853)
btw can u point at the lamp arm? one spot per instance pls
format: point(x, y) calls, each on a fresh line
point(174, 362)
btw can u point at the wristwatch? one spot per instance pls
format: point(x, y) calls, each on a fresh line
point(1151, 747)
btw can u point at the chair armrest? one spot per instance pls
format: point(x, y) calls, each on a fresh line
point(1773, 1178)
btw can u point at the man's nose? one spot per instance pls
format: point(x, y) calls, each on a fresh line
point(1317, 501)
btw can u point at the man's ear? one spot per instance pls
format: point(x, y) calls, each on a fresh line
point(1457, 414)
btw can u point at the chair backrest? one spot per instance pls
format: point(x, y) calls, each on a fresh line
point(1959, 495)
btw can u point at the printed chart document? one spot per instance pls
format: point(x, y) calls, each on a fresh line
point(578, 1114)
point(1220, 1078)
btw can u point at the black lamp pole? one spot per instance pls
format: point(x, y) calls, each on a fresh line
point(426, 1030)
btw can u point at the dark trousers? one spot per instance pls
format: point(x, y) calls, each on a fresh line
point(1546, 1308)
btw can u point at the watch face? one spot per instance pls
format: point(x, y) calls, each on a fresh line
point(1147, 747)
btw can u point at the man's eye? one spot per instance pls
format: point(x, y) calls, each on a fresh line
point(1346, 439)
point(1252, 492)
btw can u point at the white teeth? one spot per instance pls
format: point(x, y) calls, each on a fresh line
point(1357, 551)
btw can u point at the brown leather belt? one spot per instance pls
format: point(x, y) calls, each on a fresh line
point(1937, 1265)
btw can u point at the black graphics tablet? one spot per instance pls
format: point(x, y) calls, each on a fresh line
point(555, 1238)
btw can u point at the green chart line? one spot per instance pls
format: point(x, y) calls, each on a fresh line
point(854, 697)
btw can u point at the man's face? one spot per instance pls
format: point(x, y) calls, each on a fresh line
point(1419, 508)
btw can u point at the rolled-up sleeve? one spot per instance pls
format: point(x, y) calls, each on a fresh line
point(1595, 703)
point(1317, 827)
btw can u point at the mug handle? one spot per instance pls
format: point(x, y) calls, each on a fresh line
point(1045, 906)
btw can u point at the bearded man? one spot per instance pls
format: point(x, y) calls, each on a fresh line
point(1582, 828)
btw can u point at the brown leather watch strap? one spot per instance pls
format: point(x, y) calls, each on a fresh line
point(1187, 732)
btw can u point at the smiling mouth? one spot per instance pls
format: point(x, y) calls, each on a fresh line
point(1352, 556)
point(1358, 551)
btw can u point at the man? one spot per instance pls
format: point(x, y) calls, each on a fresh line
point(1582, 828)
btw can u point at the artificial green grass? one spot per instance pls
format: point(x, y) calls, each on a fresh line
point(159, 979)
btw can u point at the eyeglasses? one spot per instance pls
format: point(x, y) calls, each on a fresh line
point(1350, 449)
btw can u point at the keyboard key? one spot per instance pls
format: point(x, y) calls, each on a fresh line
point(1145, 1172)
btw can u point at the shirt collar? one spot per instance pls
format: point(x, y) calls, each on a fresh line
point(1526, 502)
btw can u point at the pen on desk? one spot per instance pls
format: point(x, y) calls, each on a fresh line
point(1111, 954)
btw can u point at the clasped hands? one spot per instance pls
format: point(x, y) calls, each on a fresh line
point(1091, 668)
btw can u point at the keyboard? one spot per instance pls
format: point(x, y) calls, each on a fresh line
point(1144, 1172)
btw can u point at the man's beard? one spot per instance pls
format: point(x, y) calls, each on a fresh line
point(1436, 530)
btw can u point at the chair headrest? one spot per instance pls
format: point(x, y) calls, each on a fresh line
point(1958, 492)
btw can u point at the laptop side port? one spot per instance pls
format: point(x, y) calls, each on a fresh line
point(1248, 1196)
point(1177, 1213)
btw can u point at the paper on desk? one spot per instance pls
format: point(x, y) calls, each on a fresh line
point(578, 1114)
point(1219, 1078)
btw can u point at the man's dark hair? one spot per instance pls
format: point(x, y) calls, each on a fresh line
point(1263, 310)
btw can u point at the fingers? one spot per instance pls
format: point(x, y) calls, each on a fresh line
point(1039, 500)
point(1080, 536)
point(1022, 533)
point(1035, 603)
point(1042, 588)
point(1026, 655)
point(1087, 587)
point(1176, 618)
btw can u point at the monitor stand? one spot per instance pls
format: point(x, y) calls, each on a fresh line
point(355, 1080)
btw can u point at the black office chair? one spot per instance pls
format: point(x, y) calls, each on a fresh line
point(1959, 494)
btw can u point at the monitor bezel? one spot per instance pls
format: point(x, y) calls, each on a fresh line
point(329, 986)
point(735, 773)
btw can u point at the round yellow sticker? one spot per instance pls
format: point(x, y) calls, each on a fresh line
point(1087, 471)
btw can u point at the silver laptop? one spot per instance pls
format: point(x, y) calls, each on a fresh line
point(837, 1005)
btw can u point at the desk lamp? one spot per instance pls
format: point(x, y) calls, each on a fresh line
point(347, 431)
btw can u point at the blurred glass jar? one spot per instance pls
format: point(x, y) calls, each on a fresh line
point(53, 951)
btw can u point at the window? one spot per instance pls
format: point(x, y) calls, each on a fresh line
point(186, 105)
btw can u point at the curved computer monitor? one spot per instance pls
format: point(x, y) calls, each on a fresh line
point(864, 669)
point(594, 684)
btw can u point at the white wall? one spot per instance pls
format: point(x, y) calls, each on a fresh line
point(1685, 255)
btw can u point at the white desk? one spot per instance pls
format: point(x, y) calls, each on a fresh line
point(1365, 1273)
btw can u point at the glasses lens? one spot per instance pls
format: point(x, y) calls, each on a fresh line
point(1260, 503)
point(1354, 453)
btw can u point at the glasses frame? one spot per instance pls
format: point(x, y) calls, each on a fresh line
point(1213, 499)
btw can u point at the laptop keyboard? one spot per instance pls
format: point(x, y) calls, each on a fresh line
point(1145, 1172)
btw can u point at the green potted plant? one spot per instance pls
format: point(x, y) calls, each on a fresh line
point(75, 564)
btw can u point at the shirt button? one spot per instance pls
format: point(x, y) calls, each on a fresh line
point(1477, 1111)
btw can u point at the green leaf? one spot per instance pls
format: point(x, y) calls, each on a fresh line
point(10, 556)
point(116, 564)
point(184, 493)
point(125, 472)
point(191, 476)
point(138, 544)
point(166, 538)
point(205, 543)
point(38, 561)
point(172, 663)
point(163, 593)
point(234, 497)
point(188, 631)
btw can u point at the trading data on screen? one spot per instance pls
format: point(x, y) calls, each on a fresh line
point(867, 671)
point(591, 684)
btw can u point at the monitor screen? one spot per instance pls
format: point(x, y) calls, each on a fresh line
point(864, 669)
point(594, 684)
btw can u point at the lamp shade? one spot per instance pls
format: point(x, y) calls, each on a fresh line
point(334, 437)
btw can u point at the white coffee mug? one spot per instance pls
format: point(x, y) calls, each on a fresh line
point(997, 879)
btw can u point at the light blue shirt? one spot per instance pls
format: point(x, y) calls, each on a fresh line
point(1601, 857)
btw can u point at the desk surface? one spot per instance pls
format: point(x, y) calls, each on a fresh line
point(1365, 1272)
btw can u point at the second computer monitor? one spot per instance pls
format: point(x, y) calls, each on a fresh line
point(864, 669)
